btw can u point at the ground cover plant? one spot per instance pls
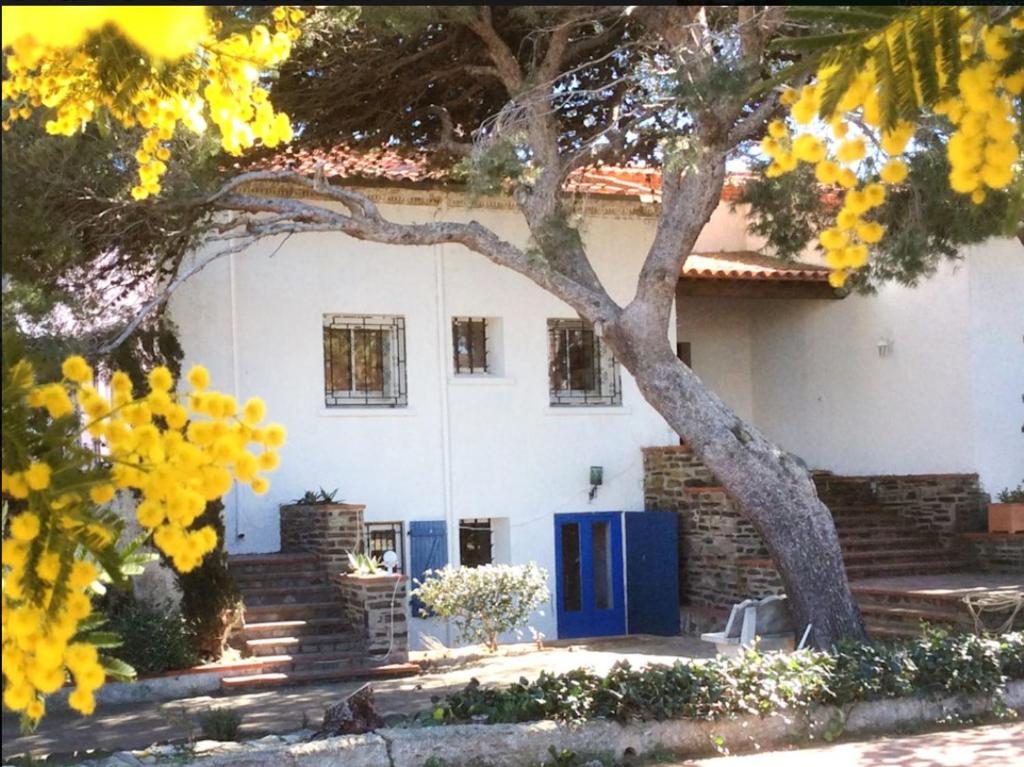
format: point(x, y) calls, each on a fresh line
point(935, 664)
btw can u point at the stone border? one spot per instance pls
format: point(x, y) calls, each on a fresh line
point(515, 745)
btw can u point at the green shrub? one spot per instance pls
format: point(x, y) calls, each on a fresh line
point(154, 637)
point(484, 601)
point(210, 600)
point(936, 664)
point(1012, 494)
point(220, 723)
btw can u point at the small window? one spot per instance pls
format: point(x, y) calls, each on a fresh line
point(469, 345)
point(385, 536)
point(476, 542)
point(364, 361)
point(582, 371)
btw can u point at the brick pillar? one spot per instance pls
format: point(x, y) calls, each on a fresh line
point(329, 530)
point(380, 605)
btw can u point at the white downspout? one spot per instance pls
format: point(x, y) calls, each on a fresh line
point(451, 523)
point(233, 304)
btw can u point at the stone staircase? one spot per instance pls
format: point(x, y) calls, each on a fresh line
point(879, 544)
point(295, 628)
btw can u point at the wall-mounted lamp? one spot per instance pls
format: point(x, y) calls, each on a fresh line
point(596, 480)
point(884, 346)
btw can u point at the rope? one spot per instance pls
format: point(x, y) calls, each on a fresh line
point(996, 602)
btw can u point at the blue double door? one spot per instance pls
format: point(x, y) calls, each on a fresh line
point(616, 573)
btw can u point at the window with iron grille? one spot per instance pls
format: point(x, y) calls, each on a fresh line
point(469, 345)
point(364, 361)
point(385, 536)
point(581, 369)
point(475, 542)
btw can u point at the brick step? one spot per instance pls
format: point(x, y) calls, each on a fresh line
point(883, 631)
point(888, 555)
point(291, 611)
point(315, 593)
point(294, 628)
point(853, 509)
point(242, 564)
point(277, 679)
point(913, 613)
point(902, 598)
point(858, 521)
point(891, 569)
point(275, 579)
point(870, 543)
point(309, 645)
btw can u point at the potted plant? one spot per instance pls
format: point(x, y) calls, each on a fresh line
point(1007, 516)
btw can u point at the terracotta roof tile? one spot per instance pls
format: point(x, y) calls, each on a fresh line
point(643, 182)
point(747, 265)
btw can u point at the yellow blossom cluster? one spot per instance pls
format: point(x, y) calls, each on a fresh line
point(191, 76)
point(983, 148)
point(175, 450)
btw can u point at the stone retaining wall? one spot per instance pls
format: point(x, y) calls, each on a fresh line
point(329, 530)
point(380, 604)
point(722, 559)
point(942, 505)
point(513, 745)
point(997, 553)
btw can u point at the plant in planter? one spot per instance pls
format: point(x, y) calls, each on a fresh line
point(1007, 516)
point(363, 564)
point(316, 498)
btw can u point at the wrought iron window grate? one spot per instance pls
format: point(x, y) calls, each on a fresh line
point(469, 345)
point(385, 536)
point(582, 370)
point(364, 361)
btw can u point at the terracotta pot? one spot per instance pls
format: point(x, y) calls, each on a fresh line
point(1006, 517)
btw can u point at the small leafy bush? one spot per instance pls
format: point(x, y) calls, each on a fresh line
point(755, 683)
point(221, 723)
point(154, 637)
point(484, 601)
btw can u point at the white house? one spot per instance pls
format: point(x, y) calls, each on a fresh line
point(432, 385)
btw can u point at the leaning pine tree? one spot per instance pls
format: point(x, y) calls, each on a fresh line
point(517, 99)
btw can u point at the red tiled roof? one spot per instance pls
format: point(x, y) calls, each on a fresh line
point(643, 182)
point(747, 265)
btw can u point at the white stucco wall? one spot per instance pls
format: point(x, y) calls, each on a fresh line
point(808, 372)
point(947, 397)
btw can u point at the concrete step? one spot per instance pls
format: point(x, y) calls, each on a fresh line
point(293, 628)
point(279, 678)
point(321, 644)
point(283, 611)
point(314, 593)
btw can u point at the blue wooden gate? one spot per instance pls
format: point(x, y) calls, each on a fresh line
point(652, 572)
point(590, 589)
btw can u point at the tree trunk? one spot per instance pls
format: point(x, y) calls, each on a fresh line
point(772, 490)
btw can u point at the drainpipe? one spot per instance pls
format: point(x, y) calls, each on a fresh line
point(233, 304)
point(451, 523)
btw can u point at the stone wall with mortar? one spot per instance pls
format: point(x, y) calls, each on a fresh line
point(380, 604)
point(943, 505)
point(722, 559)
point(329, 530)
point(997, 553)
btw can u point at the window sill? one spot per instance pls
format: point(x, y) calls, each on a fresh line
point(480, 379)
point(366, 412)
point(589, 410)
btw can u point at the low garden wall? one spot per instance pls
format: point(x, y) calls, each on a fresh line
point(941, 505)
point(380, 604)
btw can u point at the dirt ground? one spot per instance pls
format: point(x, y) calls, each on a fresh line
point(284, 709)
